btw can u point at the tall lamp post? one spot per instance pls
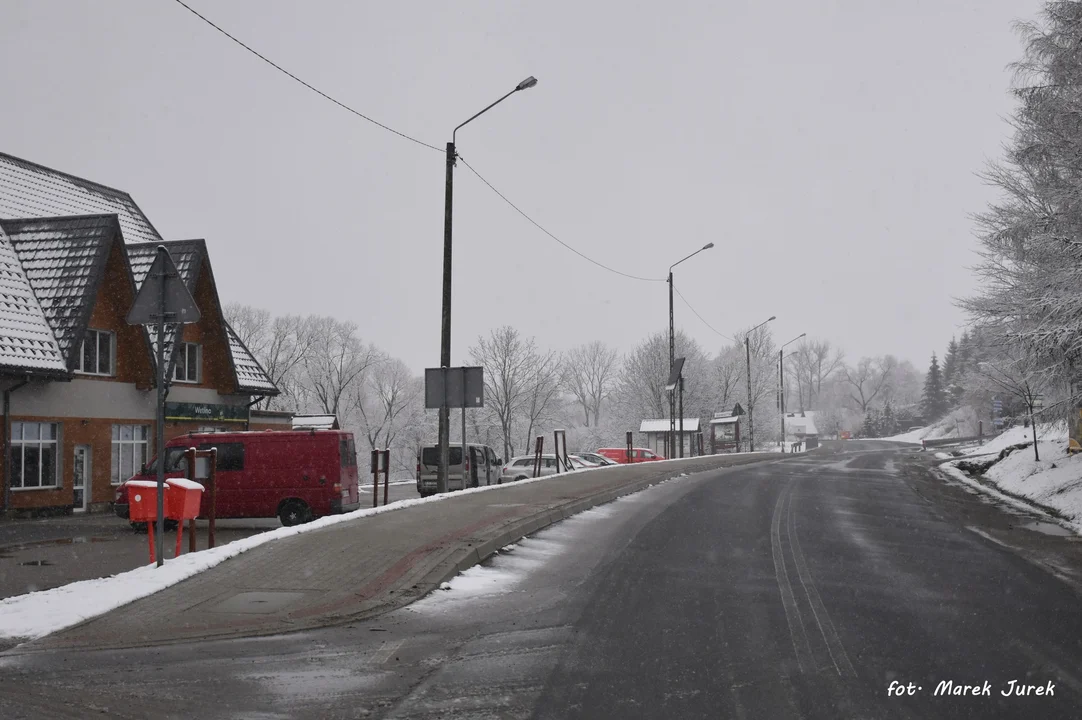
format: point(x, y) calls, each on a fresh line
point(445, 332)
point(781, 385)
point(751, 408)
point(672, 360)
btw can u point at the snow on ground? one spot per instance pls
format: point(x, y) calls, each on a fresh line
point(961, 422)
point(1054, 483)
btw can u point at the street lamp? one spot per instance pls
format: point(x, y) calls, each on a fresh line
point(672, 361)
point(747, 350)
point(445, 331)
point(781, 385)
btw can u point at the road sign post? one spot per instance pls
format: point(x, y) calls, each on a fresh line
point(457, 387)
point(163, 297)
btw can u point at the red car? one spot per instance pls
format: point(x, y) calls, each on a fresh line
point(295, 475)
point(620, 455)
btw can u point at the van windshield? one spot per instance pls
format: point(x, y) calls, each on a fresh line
point(431, 455)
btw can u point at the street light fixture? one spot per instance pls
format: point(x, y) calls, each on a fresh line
point(672, 361)
point(751, 409)
point(781, 384)
point(445, 330)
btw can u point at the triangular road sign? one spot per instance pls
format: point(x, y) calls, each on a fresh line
point(179, 305)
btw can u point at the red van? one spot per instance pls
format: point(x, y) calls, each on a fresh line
point(295, 475)
point(620, 455)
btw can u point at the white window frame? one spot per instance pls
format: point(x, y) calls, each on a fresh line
point(118, 473)
point(97, 336)
point(18, 442)
point(183, 350)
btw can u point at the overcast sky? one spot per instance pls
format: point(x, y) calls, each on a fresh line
point(828, 149)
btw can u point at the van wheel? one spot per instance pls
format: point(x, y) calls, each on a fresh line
point(294, 512)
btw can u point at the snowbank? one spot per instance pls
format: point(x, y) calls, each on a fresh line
point(1054, 483)
point(962, 422)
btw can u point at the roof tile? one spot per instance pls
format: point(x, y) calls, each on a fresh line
point(26, 340)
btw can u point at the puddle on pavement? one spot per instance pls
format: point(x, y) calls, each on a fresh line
point(1047, 528)
point(5, 552)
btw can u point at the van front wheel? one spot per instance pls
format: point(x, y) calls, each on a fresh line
point(294, 512)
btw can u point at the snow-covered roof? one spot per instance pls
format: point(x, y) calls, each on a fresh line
point(318, 422)
point(64, 260)
point(662, 425)
point(798, 424)
point(730, 420)
point(250, 375)
point(29, 190)
point(26, 339)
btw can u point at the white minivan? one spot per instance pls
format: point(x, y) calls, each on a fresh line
point(482, 468)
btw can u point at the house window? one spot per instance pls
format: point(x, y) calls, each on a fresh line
point(33, 455)
point(129, 451)
point(187, 367)
point(96, 353)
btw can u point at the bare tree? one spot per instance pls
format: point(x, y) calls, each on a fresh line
point(336, 361)
point(251, 324)
point(728, 377)
point(640, 390)
point(590, 376)
point(868, 379)
point(509, 363)
point(389, 399)
point(280, 344)
point(542, 390)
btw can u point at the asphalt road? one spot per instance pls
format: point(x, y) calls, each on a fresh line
point(802, 588)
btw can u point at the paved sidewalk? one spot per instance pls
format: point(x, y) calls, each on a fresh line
point(362, 568)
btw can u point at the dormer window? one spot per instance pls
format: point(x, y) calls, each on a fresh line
point(187, 368)
point(97, 353)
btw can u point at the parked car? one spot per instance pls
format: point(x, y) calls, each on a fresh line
point(579, 460)
point(482, 468)
point(521, 467)
point(295, 475)
point(619, 455)
point(596, 459)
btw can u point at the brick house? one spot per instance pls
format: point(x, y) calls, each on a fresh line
point(78, 382)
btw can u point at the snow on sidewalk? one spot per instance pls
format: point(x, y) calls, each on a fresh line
point(36, 614)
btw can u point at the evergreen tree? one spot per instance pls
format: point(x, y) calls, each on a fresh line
point(934, 401)
point(888, 426)
point(950, 363)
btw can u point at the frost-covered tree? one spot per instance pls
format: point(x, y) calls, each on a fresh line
point(1031, 237)
point(590, 373)
point(868, 378)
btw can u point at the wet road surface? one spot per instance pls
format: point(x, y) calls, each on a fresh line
point(804, 588)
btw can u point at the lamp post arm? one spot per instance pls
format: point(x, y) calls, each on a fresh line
point(482, 113)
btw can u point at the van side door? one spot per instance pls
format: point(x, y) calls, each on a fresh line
point(232, 496)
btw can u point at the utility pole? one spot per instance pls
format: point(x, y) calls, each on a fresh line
point(751, 423)
point(445, 328)
point(672, 361)
point(781, 395)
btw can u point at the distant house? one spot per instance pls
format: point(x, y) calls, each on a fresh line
point(657, 432)
point(315, 422)
point(800, 427)
point(79, 384)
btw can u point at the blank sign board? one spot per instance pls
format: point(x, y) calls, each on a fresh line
point(464, 387)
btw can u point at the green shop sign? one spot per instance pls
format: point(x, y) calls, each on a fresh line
point(206, 412)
